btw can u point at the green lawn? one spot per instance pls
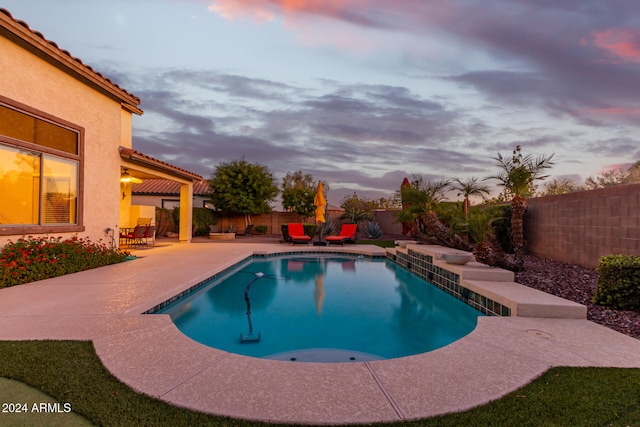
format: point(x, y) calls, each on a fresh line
point(70, 372)
point(381, 243)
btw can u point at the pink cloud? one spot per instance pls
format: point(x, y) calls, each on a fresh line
point(622, 43)
point(616, 111)
point(267, 9)
point(616, 167)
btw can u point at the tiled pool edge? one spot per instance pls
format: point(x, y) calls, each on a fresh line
point(489, 290)
point(422, 265)
point(255, 254)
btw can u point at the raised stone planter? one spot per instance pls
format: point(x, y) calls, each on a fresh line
point(222, 236)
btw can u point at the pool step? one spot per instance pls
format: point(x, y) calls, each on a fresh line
point(324, 355)
point(527, 302)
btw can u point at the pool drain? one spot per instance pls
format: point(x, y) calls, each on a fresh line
point(538, 333)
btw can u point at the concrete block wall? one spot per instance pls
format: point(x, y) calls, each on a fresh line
point(579, 228)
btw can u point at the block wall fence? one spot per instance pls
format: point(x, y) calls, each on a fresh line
point(274, 221)
point(579, 228)
point(576, 228)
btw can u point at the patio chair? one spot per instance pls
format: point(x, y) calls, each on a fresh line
point(347, 234)
point(296, 233)
point(246, 232)
point(135, 236)
point(149, 233)
point(144, 221)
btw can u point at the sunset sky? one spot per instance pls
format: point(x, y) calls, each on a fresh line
point(363, 93)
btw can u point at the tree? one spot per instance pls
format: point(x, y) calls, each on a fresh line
point(517, 176)
point(559, 186)
point(422, 201)
point(615, 177)
point(357, 203)
point(469, 188)
point(244, 188)
point(298, 192)
point(358, 209)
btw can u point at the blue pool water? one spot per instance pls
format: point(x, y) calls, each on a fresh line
point(327, 308)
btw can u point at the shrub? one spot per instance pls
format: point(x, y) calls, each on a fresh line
point(618, 282)
point(502, 226)
point(261, 229)
point(164, 221)
point(38, 258)
point(373, 230)
point(202, 218)
point(326, 228)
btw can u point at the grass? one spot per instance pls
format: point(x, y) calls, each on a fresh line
point(70, 371)
point(381, 243)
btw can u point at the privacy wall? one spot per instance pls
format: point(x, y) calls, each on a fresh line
point(579, 228)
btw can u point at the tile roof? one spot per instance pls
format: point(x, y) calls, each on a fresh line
point(141, 158)
point(166, 187)
point(60, 57)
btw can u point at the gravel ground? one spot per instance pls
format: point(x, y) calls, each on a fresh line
point(576, 283)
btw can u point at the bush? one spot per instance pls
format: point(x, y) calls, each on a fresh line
point(202, 218)
point(309, 229)
point(618, 282)
point(261, 229)
point(502, 226)
point(38, 258)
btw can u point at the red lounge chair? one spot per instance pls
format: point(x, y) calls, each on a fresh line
point(296, 233)
point(347, 233)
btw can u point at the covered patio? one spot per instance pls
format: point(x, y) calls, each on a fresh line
point(136, 167)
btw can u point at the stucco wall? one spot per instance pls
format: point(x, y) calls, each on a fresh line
point(32, 81)
point(581, 227)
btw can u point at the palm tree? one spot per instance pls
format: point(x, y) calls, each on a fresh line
point(517, 176)
point(487, 249)
point(356, 216)
point(480, 227)
point(422, 200)
point(469, 188)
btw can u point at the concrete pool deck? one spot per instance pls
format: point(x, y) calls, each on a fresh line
point(148, 353)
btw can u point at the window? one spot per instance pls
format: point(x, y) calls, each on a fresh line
point(40, 168)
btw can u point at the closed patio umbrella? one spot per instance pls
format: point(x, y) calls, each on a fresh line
point(320, 202)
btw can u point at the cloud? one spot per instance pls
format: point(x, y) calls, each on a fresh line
point(622, 44)
point(459, 82)
point(267, 9)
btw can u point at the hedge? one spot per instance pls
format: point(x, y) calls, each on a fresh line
point(619, 282)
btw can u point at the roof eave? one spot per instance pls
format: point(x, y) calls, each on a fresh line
point(62, 59)
point(136, 157)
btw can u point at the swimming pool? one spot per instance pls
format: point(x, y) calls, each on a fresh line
point(322, 308)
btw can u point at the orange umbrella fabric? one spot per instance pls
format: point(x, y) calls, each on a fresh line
point(320, 202)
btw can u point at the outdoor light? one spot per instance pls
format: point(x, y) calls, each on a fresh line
point(126, 178)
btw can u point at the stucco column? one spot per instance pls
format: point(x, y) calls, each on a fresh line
point(186, 212)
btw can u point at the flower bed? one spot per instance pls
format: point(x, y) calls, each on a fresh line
point(38, 258)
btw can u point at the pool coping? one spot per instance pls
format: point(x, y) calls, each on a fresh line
point(148, 353)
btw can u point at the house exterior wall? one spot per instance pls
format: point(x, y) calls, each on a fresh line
point(579, 228)
point(32, 81)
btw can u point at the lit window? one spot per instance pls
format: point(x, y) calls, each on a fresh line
point(40, 167)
